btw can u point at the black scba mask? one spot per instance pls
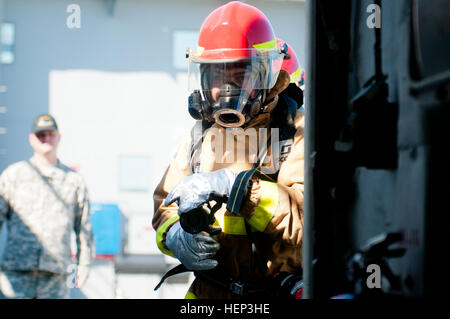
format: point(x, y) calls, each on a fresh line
point(231, 92)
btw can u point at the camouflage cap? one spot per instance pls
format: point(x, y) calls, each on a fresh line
point(44, 122)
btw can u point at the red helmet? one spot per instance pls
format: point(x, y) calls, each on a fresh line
point(236, 61)
point(290, 63)
point(236, 26)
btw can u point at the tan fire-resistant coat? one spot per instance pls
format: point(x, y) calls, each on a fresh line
point(280, 241)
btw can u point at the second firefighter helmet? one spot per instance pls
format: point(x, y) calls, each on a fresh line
point(290, 62)
point(236, 62)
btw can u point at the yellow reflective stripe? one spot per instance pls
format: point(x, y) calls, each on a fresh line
point(234, 225)
point(269, 45)
point(267, 206)
point(190, 295)
point(161, 230)
point(295, 77)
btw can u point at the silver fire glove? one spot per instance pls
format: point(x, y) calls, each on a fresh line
point(193, 250)
point(199, 188)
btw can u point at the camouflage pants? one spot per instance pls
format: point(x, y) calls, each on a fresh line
point(33, 284)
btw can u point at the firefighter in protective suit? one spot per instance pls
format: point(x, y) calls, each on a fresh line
point(245, 154)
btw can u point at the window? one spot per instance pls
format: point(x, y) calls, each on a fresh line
point(7, 40)
point(182, 40)
point(134, 173)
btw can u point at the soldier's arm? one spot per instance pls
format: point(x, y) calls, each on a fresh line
point(165, 216)
point(83, 228)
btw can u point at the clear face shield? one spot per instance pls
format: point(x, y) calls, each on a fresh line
point(230, 81)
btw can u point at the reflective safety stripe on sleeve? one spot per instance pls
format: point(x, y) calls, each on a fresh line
point(267, 206)
point(161, 230)
point(232, 225)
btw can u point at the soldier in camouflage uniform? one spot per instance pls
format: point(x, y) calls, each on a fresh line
point(43, 201)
